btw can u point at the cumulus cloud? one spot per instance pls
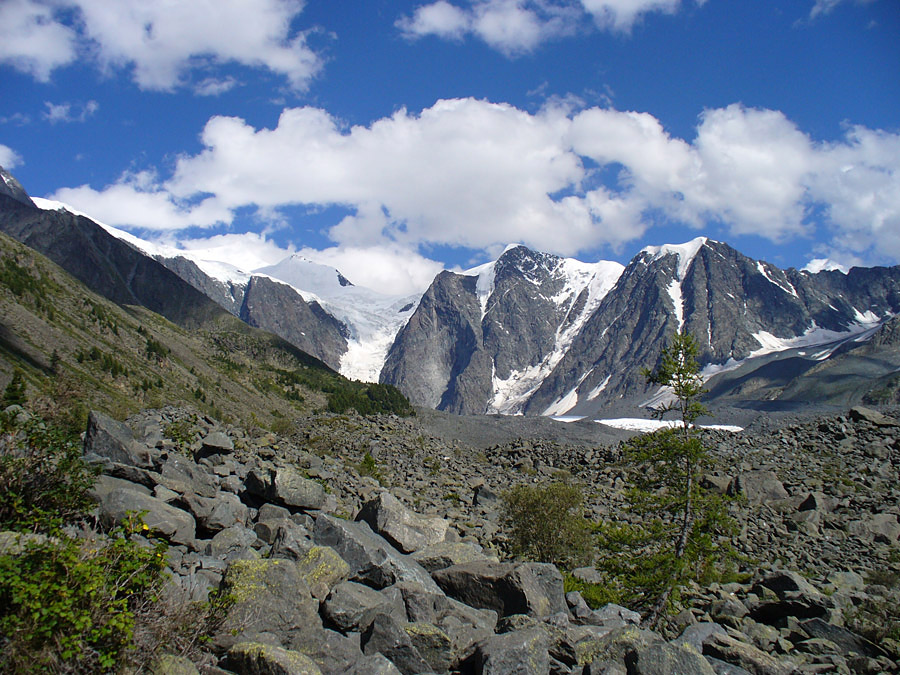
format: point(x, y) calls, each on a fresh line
point(136, 200)
point(247, 251)
point(389, 269)
point(161, 43)
point(514, 27)
point(9, 158)
point(474, 174)
point(32, 39)
point(68, 112)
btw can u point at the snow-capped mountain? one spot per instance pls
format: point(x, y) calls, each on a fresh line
point(371, 319)
point(311, 305)
point(737, 309)
point(484, 340)
point(530, 333)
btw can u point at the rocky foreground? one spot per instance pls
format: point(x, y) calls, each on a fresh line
point(365, 545)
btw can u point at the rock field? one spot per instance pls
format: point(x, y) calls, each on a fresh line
point(371, 545)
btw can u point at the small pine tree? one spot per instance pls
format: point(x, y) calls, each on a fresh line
point(680, 533)
point(14, 394)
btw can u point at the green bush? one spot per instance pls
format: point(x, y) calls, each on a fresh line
point(67, 605)
point(44, 481)
point(544, 523)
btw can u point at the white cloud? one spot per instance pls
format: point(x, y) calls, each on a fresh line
point(247, 251)
point(212, 86)
point(68, 112)
point(825, 6)
point(390, 269)
point(32, 40)
point(9, 158)
point(621, 15)
point(439, 18)
point(475, 174)
point(820, 264)
point(161, 42)
point(514, 27)
point(136, 200)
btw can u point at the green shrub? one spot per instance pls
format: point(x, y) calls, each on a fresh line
point(44, 481)
point(67, 605)
point(368, 467)
point(544, 523)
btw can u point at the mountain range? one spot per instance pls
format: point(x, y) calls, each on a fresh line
point(529, 333)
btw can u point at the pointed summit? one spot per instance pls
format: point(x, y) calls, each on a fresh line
point(10, 187)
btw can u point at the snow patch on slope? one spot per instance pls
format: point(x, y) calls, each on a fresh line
point(674, 290)
point(686, 253)
point(563, 404)
point(638, 424)
point(787, 287)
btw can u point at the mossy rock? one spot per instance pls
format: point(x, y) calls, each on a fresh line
point(255, 658)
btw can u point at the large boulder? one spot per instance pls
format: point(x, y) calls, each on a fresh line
point(214, 443)
point(351, 606)
point(112, 440)
point(758, 487)
point(173, 524)
point(524, 652)
point(286, 486)
point(372, 560)
point(447, 553)
point(255, 658)
point(406, 530)
point(270, 602)
point(322, 569)
point(535, 589)
point(663, 658)
point(182, 475)
point(386, 636)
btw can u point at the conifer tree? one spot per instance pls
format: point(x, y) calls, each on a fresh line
point(679, 533)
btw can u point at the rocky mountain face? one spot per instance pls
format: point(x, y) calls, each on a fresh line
point(105, 264)
point(527, 350)
point(482, 341)
point(406, 573)
point(734, 306)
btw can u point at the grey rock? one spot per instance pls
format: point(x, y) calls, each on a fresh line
point(232, 539)
point(371, 559)
point(270, 603)
point(861, 413)
point(214, 443)
point(285, 486)
point(846, 640)
point(386, 636)
point(113, 440)
point(406, 530)
point(664, 659)
point(184, 476)
point(524, 652)
point(173, 524)
point(444, 554)
point(351, 606)
point(758, 487)
point(535, 589)
point(255, 658)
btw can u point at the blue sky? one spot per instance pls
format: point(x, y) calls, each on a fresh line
point(392, 139)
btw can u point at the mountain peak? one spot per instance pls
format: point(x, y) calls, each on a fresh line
point(686, 253)
point(10, 187)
